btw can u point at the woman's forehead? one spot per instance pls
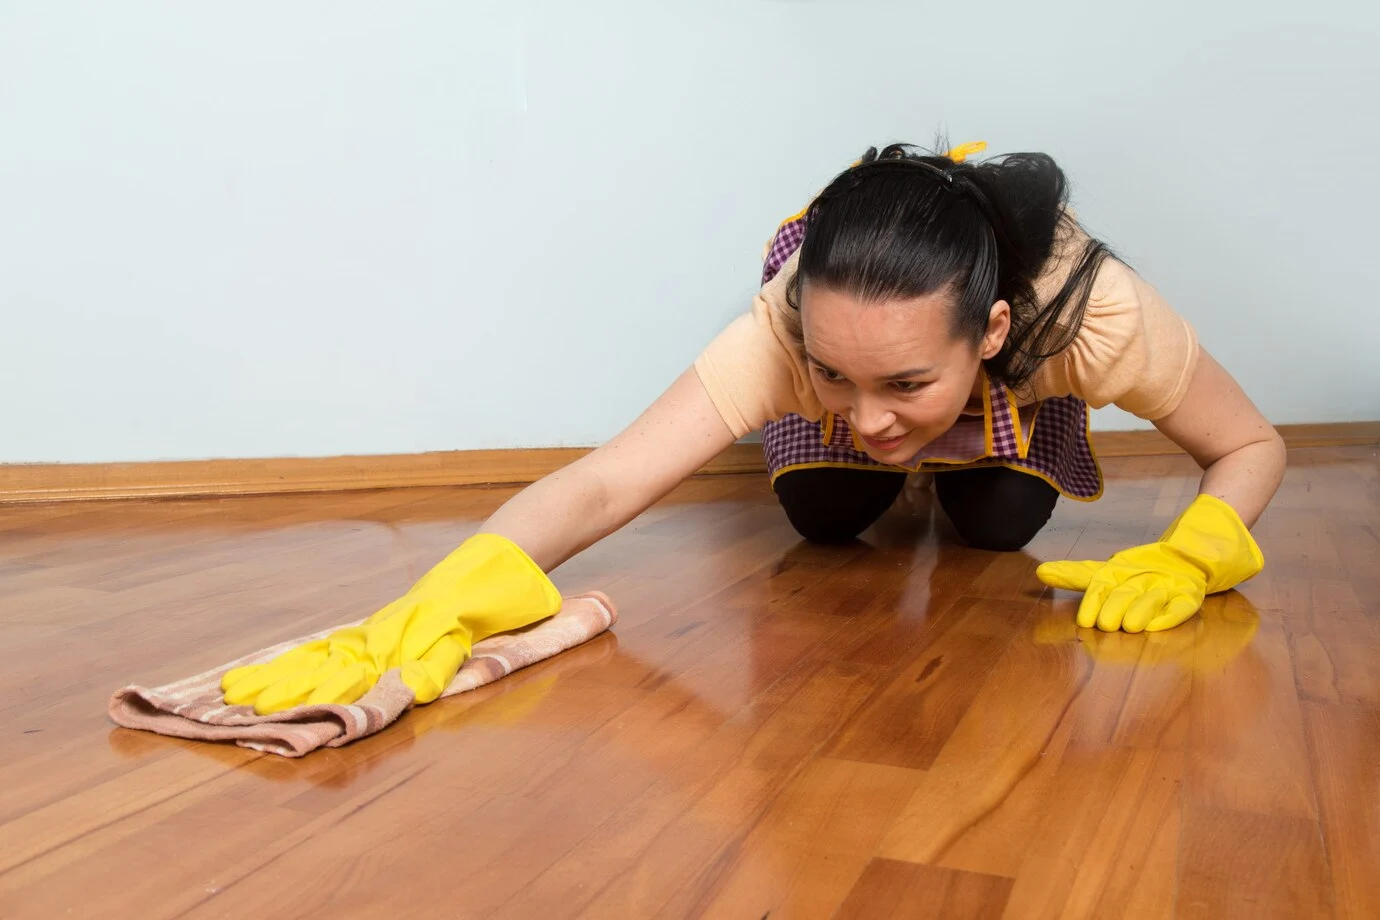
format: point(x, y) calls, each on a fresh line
point(838, 315)
point(875, 339)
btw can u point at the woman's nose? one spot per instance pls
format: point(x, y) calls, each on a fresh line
point(871, 419)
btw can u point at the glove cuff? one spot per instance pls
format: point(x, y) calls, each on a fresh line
point(493, 554)
point(522, 561)
point(1211, 534)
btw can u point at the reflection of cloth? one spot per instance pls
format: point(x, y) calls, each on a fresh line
point(195, 708)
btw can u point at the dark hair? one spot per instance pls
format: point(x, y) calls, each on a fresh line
point(902, 224)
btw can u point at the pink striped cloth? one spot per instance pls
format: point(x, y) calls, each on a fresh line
point(195, 708)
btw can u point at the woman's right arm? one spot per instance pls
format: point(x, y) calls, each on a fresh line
point(558, 516)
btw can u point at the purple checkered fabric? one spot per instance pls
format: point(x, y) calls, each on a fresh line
point(1058, 450)
point(788, 237)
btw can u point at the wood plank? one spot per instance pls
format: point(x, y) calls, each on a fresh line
point(33, 834)
point(1246, 747)
point(906, 891)
point(1332, 631)
point(908, 723)
point(1236, 864)
point(975, 807)
point(701, 836)
point(1344, 742)
point(1109, 847)
point(804, 855)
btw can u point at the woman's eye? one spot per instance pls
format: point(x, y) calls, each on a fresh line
point(828, 375)
point(907, 386)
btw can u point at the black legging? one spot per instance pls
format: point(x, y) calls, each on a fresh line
point(993, 507)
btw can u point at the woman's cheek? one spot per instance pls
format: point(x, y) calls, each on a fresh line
point(936, 409)
point(835, 399)
point(922, 414)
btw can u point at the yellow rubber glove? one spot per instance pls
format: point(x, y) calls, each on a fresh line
point(486, 586)
point(1207, 549)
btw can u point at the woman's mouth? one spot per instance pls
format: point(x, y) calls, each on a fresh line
point(883, 445)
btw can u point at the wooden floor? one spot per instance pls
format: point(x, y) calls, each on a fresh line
point(901, 728)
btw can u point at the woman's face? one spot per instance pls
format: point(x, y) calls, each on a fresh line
point(893, 369)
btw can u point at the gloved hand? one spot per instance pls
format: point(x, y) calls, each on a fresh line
point(1207, 549)
point(486, 586)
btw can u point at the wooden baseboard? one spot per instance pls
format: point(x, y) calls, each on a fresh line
point(1150, 443)
point(46, 482)
point(31, 482)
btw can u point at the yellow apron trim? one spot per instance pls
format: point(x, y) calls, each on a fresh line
point(1015, 412)
point(1092, 451)
point(1087, 431)
point(1058, 488)
point(981, 463)
point(1023, 432)
point(944, 461)
point(986, 411)
point(1030, 430)
point(1023, 436)
point(835, 465)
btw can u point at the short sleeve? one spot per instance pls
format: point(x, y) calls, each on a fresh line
point(1132, 349)
point(754, 370)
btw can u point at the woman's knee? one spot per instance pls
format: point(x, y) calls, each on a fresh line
point(835, 504)
point(996, 508)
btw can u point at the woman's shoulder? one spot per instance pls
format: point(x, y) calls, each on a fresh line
point(1130, 348)
point(1114, 295)
point(755, 370)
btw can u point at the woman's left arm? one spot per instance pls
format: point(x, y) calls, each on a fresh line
point(1241, 453)
point(1209, 547)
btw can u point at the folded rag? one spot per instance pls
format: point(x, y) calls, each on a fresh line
point(195, 708)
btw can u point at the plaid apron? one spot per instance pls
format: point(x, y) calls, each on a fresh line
point(1057, 449)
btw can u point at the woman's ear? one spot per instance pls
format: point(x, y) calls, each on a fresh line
point(998, 326)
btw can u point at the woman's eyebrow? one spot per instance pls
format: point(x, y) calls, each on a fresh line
point(914, 372)
point(917, 372)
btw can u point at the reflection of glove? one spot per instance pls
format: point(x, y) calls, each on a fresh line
point(1224, 630)
point(487, 586)
point(1158, 586)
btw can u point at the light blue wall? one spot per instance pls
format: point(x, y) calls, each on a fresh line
point(291, 228)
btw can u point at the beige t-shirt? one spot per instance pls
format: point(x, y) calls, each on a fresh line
point(1132, 350)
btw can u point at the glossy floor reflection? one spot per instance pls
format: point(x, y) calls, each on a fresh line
point(902, 727)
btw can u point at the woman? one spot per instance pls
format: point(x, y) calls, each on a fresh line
point(923, 315)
